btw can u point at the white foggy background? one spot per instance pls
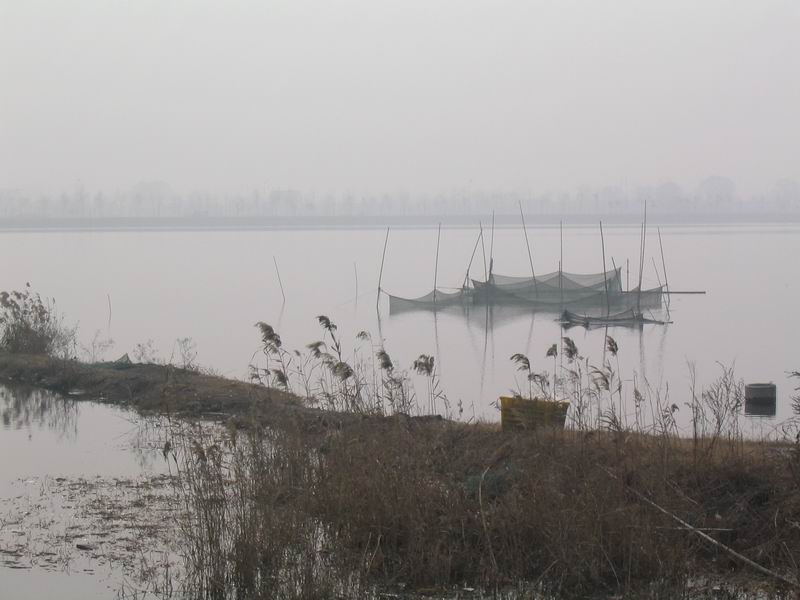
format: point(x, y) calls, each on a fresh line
point(413, 95)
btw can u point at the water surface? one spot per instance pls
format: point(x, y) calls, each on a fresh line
point(213, 286)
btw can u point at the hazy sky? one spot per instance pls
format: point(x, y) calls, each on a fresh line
point(411, 95)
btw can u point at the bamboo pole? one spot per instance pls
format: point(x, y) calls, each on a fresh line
point(641, 259)
point(380, 275)
point(483, 251)
point(277, 271)
point(436, 263)
point(527, 243)
point(605, 278)
point(561, 263)
point(471, 258)
point(655, 268)
point(491, 250)
point(628, 274)
point(702, 534)
point(664, 269)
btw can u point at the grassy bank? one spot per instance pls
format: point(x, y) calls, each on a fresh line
point(436, 504)
point(320, 504)
point(156, 388)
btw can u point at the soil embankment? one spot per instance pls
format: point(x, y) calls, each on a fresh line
point(152, 388)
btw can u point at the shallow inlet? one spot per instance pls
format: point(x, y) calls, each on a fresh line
point(83, 488)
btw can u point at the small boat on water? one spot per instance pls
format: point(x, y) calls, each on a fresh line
point(628, 318)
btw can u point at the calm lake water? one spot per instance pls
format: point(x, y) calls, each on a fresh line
point(73, 479)
point(213, 286)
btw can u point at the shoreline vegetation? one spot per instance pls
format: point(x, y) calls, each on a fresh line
point(353, 494)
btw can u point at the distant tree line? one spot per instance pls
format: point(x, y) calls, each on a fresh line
point(715, 195)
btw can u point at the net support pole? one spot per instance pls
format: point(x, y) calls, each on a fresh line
point(491, 250)
point(605, 277)
point(380, 275)
point(483, 251)
point(471, 258)
point(528, 244)
point(664, 269)
point(278, 273)
point(561, 263)
point(641, 259)
point(436, 263)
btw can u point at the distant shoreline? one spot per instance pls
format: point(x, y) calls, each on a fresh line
point(21, 224)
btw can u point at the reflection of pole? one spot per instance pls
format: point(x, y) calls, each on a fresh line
point(605, 278)
point(527, 243)
point(380, 275)
point(436, 266)
point(279, 277)
point(485, 345)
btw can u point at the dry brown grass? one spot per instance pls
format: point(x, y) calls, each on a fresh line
point(435, 503)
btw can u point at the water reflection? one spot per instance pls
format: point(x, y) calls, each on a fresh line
point(23, 407)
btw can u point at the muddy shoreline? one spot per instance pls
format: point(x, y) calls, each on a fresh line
point(163, 390)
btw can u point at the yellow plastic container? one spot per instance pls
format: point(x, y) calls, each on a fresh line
point(520, 414)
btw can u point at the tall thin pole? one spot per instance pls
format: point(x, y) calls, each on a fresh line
point(561, 263)
point(641, 258)
point(483, 250)
point(436, 264)
point(628, 274)
point(471, 258)
point(279, 277)
point(527, 243)
point(605, 278)
point(491, 250)
point(664, 267)
point(655, 268)
point(355, 273)
point(380, 275)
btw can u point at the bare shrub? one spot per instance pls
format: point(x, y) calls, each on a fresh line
point(32, 325)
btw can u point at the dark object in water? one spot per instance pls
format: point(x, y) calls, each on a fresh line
point(627, 318)
point(760, 399)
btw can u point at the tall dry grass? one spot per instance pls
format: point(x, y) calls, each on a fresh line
point(616, 505)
